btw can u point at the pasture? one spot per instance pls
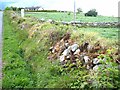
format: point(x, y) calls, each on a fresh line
point(110, 33)
point(68, 16)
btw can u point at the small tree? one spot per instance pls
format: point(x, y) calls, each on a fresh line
point(69, 13)
point(79, 10)
point(92, 12)
point(8, 8)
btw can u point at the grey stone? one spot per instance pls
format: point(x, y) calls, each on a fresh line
point(86, 59)
point(77, 52)
point(62, 58)
point(88, 67)
point(68, 57)
point(95, 68)
point(66, 44)
point(74, 47)
point(53, 51)
point(66, 52)
point(96, 61)
point(42, 19)
point(50, 20)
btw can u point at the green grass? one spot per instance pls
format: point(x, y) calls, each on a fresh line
point(16, 71)
point(60, 16)
point(109, 33)
point(26, 62)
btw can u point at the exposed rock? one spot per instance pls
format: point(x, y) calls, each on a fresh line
point(95, 68)
point(66, 49)
point(66, 44)
point(96, 61)
point(68, 57)
point(53, 51)
point(77, 52)
point(62, 58)
point(74, 47)
point(66, 52)
point(88, 67)
point(42, 19)
point(50, 21)
point(93, 24)
point(86, 59)
point(51, 48)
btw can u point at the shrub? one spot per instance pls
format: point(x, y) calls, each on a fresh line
point(8, 8)
point(79, 10)
point(91, 13)
point(69, 13)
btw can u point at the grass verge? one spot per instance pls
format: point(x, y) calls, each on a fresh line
point(16, 71)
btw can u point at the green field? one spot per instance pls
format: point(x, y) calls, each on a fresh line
point(110, 33)
point(60, 16)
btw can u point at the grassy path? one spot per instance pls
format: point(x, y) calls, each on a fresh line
point(16, 71)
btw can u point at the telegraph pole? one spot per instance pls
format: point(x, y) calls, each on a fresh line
point(74, 11)
point(74, 15)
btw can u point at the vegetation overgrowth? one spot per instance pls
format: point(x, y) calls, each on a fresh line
point(26, 48)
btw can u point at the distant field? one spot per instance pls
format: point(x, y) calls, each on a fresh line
point(111, 33)
point(61, 16)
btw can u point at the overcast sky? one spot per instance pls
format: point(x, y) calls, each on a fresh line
point(104, 7)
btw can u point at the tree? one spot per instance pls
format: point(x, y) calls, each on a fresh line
point(14, 8)
point(79, 10)
point(8, 8)
point(92, 12)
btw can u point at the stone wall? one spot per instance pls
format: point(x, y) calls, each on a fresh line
point(93, 24)
point(86, 24)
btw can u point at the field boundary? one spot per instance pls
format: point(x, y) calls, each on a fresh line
point(86, 24)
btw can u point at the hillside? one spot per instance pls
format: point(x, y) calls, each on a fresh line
point(32, 51)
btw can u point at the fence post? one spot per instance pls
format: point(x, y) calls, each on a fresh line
point(22, 13)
